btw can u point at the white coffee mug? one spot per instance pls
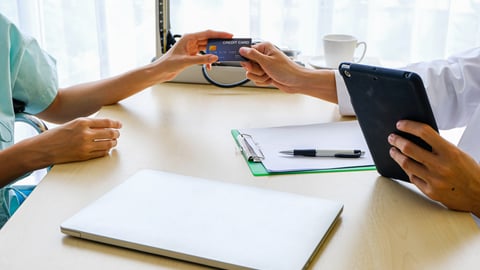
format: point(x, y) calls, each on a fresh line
point(340, 48)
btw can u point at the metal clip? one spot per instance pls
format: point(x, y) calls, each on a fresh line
point(250, 150)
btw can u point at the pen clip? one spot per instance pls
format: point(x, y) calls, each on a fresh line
point(354, 155)
point(250, 150)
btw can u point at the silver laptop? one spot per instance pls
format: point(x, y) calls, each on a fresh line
point(208, 222)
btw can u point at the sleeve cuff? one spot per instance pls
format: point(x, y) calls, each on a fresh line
point(344, 104)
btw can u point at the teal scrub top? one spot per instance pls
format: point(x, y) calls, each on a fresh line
point(27, 74)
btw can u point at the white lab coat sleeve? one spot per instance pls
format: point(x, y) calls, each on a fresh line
point(453, 87)
point(344, 105)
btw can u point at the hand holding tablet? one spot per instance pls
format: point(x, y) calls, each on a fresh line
point(381, 97)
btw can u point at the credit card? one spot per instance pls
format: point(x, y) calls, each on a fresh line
point(227, 49)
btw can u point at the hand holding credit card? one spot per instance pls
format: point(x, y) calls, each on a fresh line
point(227, 49)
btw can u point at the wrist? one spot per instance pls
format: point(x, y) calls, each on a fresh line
point(166, 68)
point(152, 73)
point(21, 158)
point(319, 83)
point(33, 155)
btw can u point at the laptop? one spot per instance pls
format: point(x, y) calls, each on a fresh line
point(208, 222)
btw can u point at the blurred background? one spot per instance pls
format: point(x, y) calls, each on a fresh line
point(93, 39)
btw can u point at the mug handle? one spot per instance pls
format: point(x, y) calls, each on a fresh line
point(364, 51)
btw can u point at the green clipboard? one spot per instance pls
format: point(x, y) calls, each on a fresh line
point(257, 168)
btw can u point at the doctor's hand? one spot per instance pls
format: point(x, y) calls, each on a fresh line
point(185, 53)
point(268, 65)
point(447, 174)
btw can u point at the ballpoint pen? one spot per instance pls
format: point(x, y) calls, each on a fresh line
point(324, 153)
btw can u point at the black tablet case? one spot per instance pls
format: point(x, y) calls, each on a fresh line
point(380, 98)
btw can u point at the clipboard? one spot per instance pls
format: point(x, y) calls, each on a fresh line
point(260, 147)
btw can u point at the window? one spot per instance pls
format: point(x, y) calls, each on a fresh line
point(96, 38)
point(90, 39)
point(397, 31)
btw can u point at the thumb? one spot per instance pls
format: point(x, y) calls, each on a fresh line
point(251, 54)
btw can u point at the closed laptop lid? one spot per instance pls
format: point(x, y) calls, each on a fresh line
point(209, 222)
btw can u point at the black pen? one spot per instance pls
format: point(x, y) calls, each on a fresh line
point(324, 153)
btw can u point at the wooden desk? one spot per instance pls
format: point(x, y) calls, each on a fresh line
point(186, 129)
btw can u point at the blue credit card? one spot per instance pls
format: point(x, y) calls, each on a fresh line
point(227, 49)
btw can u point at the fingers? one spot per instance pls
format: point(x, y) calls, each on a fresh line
point(96, 148)
point(252, 54)
point(417, 173)
point(422, 185)
point(101, 123)
point(103, 145)
point(191, 44)
point(195, 42)
point(447, 174)
point(208, 34)
point(253, 68)
point(262, 80)
point(423, 131)
point(410, 166)
point(409, 148)
point(98, 129)
point(97, 134)
point(198, 41)
point(105, 134)
point(201, 59)
point(266, 48)
point(256, 74)
point(422, 166)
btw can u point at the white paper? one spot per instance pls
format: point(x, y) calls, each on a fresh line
point(345, 135)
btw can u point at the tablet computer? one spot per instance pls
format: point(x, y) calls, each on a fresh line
point(380, 98)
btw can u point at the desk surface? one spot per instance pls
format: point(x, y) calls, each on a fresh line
point(185, 129)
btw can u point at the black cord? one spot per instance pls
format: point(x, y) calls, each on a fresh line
point(219, 84)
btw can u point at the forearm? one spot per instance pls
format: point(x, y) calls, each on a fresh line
point(21, 158)
point(87, 98)
point(318, 83)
